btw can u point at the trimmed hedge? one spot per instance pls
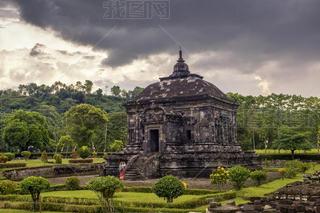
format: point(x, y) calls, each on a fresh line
point(87, 160)
point(64, 154)
point(302, 157)
point(186, 192)
point(12, 165)
point(48, 206)
point(190, 204)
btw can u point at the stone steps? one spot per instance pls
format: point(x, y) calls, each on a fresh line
point(133, 174)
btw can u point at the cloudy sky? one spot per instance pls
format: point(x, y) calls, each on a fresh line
point(246, 46)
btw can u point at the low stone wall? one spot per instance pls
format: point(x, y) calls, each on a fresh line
point(54, 171)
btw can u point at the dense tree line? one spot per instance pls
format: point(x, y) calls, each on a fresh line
point(61, 116)
point(63, 97)
point(278, 121)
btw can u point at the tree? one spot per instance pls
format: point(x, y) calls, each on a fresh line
point(238, 175)
point(16, 135)
point(116, 91)
point(88, 86)
point(99, 93)
point(86, 124)
point(34, 185)
point(54, 120)
point(169, 187)
point(24, 129)
point(106, 187)
point(117, 128)
point(65, 141)
point(292, 139)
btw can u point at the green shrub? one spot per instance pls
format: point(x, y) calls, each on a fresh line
point(186, 191)
point(238, 175)
point(34, 185)
point(106, 187)
point(105, 155)
point(169, 187)
point(258, 176)
point(10, 155)
point(12, 165)
point(44, 157)
point(282, 172)
point(290, 172)
point(72, 183)
point(8, 187)
point(26, 154)
point(3, 158)
point(57, 158)
point(219, 177)
point(94, 154)
point(116, 146)
point(84, 152)
point(294, 167)
point(305, 167)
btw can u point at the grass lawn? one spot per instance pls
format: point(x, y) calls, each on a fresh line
point(38, 162)
point(137, 197)
point(275, 151)
point(20, 211)
point(267, 188)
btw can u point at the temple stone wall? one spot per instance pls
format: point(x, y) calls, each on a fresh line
point(185, 125)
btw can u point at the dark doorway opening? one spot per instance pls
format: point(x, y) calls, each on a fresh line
point(154, 140)
point(189, 135)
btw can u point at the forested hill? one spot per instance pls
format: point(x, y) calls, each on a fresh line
point(32, 96)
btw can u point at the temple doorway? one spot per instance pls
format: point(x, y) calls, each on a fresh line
point(154, 140)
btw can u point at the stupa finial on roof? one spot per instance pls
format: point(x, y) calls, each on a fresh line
point(180, 55)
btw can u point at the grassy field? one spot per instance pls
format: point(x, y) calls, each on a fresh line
point(275, 151)
point(38, 162)
point(21, 211)
point(267, 188)
point(137, 197)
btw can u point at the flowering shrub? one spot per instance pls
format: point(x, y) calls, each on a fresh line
point(185, 184)
point(219, 177)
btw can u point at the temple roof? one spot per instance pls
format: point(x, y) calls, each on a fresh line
point(181, 84)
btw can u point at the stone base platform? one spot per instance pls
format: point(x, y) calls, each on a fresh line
point(178, 161)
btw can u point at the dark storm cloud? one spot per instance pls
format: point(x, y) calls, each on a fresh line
point(251, 31)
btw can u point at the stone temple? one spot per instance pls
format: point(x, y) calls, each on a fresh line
point(181, 125)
